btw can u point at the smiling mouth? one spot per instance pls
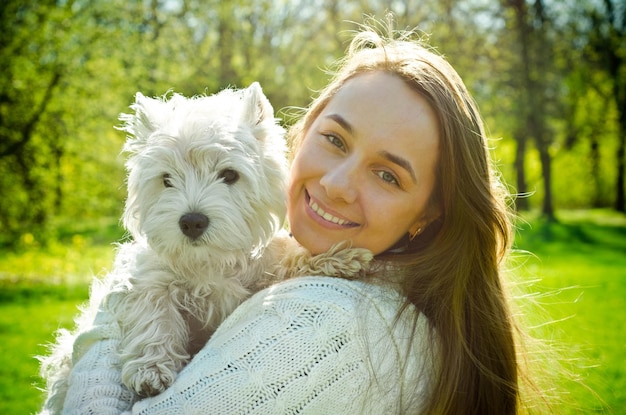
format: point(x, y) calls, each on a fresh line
point(327, 216)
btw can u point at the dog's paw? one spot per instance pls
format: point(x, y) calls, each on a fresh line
point(151, 380)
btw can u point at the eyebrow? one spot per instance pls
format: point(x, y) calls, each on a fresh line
point(400, 161)
point(342, 122)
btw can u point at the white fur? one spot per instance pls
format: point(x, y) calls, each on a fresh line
point(168, 290)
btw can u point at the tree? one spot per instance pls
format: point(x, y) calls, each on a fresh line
point(607, 48)
point(55, 115)
point(30, 83)
point(70, 67)
point(532, 72)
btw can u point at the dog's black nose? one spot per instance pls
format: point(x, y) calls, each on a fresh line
point(193, 224)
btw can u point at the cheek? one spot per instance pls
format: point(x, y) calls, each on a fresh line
point(394, 220)
point(305, 165)
point(298, 175)
point(295, 178)
point(299, 160)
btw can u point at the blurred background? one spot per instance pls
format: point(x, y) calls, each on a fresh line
point(549, 77)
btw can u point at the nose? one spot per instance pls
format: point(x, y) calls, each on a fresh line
point(340, 181)
point(193, 224)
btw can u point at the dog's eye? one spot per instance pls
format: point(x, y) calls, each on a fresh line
point(167, 180)
point(229, 176)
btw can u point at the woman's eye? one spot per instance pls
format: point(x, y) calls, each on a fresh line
point(229, 176)
point(388, 177)
point(167, 180)
point(334, 140)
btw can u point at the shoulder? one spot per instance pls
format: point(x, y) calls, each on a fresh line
point(314, 307)
point(334, 295)
point(345, 293)
point(361, 324)
point(320, 309)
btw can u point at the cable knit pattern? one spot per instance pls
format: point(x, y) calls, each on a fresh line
point(310, 345)
point(95, 383)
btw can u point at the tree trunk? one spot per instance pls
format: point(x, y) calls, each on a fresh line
point(594, 159)
point(521, 202)
point(533, 110)
point(546, 172)
point(225, 48)
point(615, 63)
point(619, 94)
point(620, 202)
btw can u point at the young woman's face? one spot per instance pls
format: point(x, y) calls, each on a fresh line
point(366, 167)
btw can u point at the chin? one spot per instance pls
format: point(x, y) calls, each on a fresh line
point(315, 247)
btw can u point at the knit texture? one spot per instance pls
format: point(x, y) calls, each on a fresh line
point(311, 345)
point(95, 382)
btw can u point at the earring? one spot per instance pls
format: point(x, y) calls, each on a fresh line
point(414, 234)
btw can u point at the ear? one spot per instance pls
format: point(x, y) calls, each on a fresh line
point(258, 107)
point(419, 226)
point(416, 230)
point(143, 122)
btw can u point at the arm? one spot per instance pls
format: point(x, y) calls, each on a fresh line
point(95, 384)
point(297, 347)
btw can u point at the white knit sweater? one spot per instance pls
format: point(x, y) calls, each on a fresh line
point(311, 345)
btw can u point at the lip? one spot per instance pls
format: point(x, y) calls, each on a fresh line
point(324, 217)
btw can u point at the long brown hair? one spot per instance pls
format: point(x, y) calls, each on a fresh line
point(451, 272)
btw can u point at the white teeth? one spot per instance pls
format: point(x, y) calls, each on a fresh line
point(327, 216)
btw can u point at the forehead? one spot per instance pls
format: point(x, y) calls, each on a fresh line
point(381, 107)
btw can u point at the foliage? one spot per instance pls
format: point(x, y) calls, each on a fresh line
point(69, 67)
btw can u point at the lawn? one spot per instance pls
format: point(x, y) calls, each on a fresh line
point(572, 290)
point(579, 269)
point(39, 292)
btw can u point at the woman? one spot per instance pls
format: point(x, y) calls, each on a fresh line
point(447, 265)
point(391, 156)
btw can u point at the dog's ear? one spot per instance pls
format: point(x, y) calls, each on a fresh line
point(145, 119)
point(258, 107)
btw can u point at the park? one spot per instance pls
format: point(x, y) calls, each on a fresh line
point(549, 78)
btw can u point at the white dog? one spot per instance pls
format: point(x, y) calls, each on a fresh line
point(206, 201)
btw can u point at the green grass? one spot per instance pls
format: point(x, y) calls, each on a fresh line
point(22, 339)
point(577, 277)
point(579, 272)
point(40, 289)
